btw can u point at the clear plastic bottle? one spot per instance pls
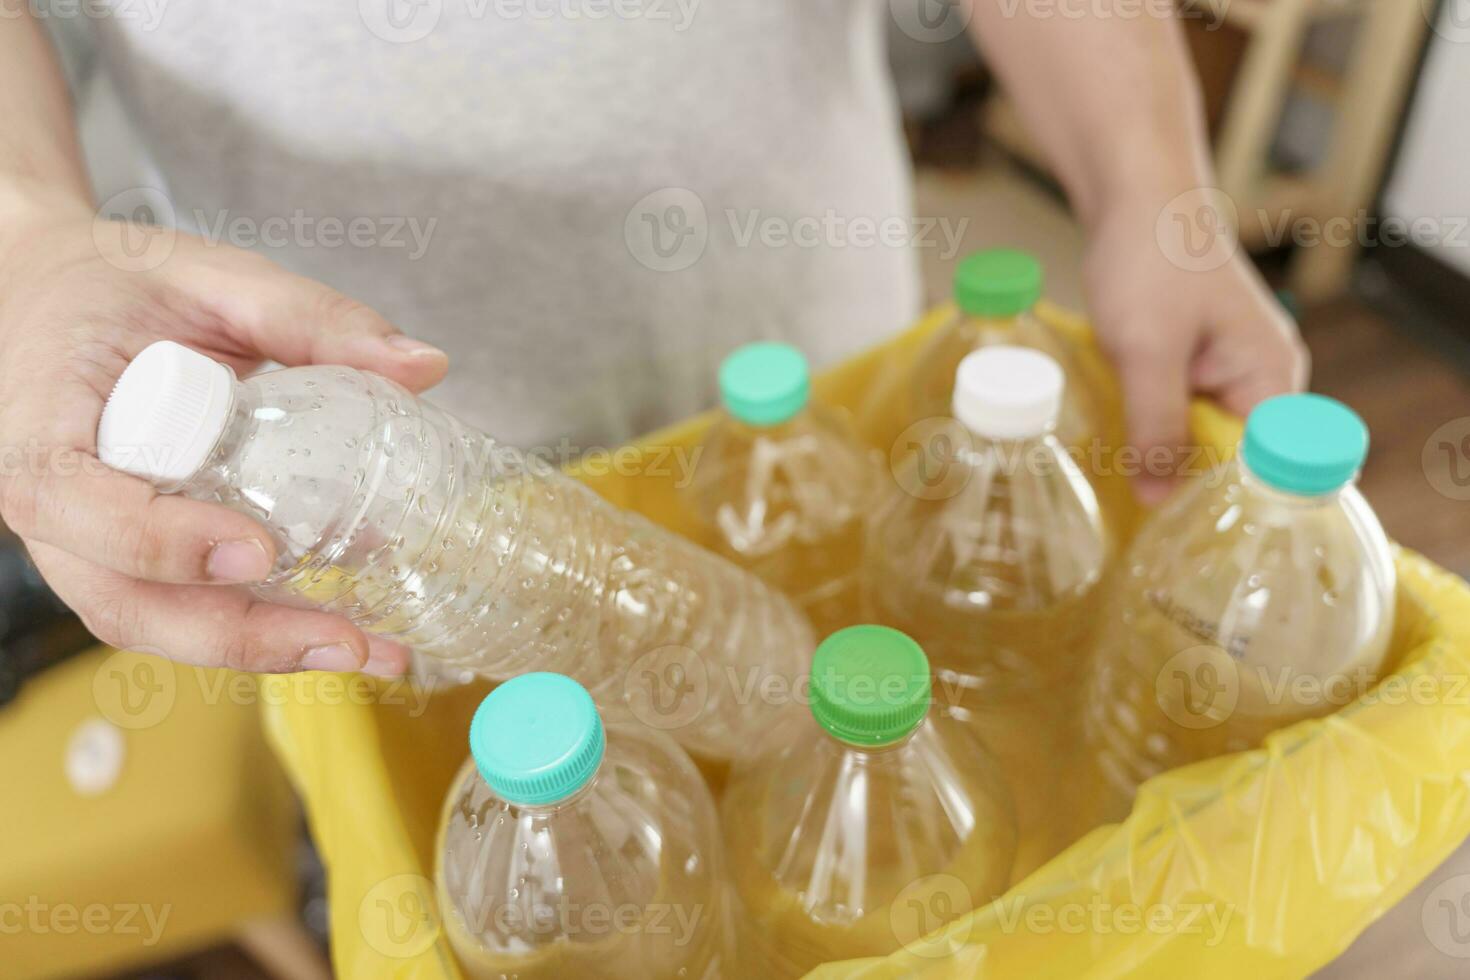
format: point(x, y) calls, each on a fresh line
point(869, 822)
point(995, 569)
point(1261, 595)
point(570, 850)
point(994, 291)
point(784, 486)
point(394, 514)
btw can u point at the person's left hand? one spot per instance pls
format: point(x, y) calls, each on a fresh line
point(1174, 328)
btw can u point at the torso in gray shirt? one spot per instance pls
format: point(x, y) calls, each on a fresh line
point(587, 203)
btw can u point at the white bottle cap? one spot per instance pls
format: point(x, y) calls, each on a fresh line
point(165, 413)
point(1008, 392)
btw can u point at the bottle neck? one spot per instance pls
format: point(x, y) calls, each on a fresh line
point(1011, 456)
point(1285, 501)
point(875, 754)
point(981, 323)
point(212, 474)
point(541, 811)
point(775, 430)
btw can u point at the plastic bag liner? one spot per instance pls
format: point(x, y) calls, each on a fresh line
point(1263, 863)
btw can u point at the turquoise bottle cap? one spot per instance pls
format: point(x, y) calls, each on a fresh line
point(1304, 444)
point(537, 739)
point(998, 282)
point(870, 685)
point(764, 384)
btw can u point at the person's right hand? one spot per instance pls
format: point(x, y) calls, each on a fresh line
point(144, 569)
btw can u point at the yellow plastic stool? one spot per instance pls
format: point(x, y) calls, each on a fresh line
point(143, 817)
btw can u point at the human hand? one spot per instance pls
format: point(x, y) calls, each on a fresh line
point(1174, 329)
point(145, 569)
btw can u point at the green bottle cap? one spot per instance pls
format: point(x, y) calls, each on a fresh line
point(537, 739)
point(870, 685)
point(764, 384)
point(998, 282)
point(1304, 444)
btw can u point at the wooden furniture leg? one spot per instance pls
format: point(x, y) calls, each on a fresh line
point(284, 948)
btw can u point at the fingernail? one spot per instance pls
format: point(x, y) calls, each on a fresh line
point(238, 561)
point(1151, 490)
point(385, 659)
point(337, 658)
point(414, 348)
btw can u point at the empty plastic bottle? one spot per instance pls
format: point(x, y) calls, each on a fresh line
point(397, 516)
point(991, 558)
point(1262, 594)
point(995, 292)
point(994, 565)
point(869, 822)
point(784, 486)
point(570, 850)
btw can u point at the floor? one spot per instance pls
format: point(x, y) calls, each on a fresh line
point(1414, 397)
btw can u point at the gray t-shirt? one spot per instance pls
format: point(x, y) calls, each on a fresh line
point(587, 203)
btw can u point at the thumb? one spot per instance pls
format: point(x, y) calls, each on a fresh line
point(1153, 367)
point(267, 312)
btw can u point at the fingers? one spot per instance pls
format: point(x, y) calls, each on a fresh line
point(1152, 363)
point(1258, 355)
point(295, 320)
point(123, 524)
point(212, 627)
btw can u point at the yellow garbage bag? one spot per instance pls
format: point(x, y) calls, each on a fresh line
point(1263, 863)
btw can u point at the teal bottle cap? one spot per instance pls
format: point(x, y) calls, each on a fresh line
point(764, 384)
point(998, 282)
point(870, 685)
point(1304, 444)
point(537, 739)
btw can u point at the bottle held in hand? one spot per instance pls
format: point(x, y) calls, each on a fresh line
point(412, 525)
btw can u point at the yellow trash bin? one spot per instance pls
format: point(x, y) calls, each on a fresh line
point(1263, 863)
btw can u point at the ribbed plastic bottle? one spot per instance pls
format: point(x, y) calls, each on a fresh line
point(995, 292)
point(995, 567)
point(567, 849)
point(784, 486)
point(1261, 595)
point(865, 824)
point(397, 516)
